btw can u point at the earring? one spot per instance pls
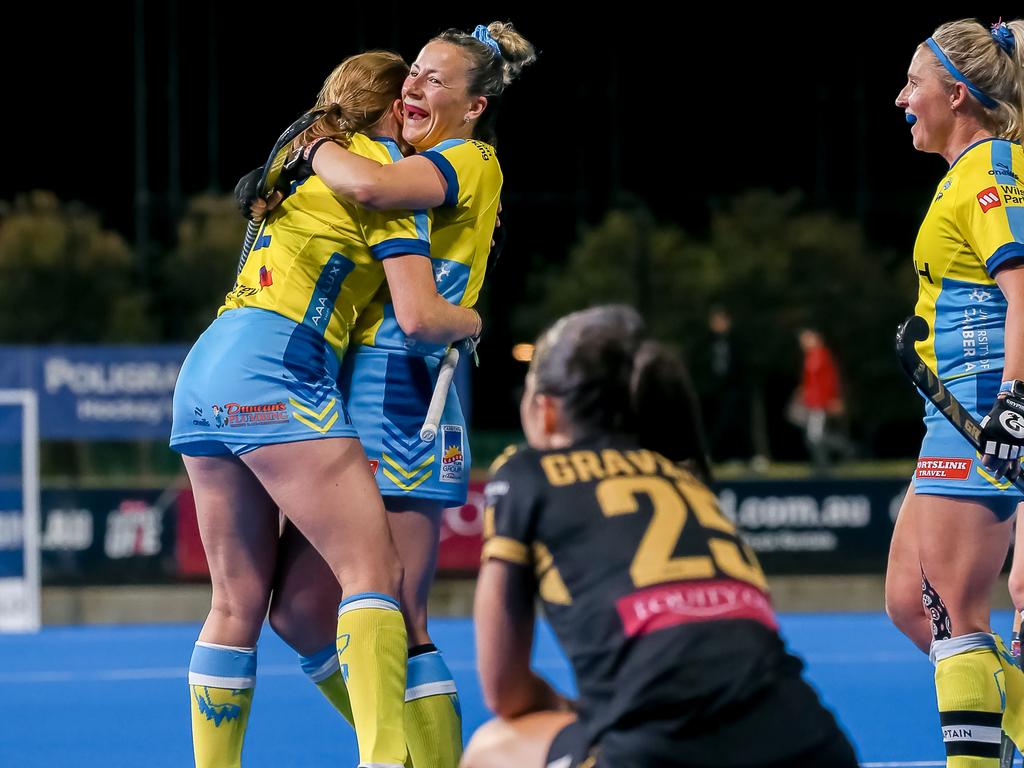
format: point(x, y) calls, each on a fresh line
point(465, 119)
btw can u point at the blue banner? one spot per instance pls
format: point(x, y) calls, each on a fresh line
point(97, 392)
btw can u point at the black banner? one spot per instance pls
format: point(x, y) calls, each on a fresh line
point(815, 526)
point(108, 536)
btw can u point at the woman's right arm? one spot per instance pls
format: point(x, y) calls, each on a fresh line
point(503, 618)
point(413, 182)
point(420, 310)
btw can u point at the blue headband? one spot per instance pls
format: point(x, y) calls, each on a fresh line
point(481, 34)
point(1004, 38)
point(956, 73)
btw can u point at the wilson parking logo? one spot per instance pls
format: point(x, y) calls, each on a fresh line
point(989, 199)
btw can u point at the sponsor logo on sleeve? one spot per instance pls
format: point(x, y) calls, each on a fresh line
point(943, 469)
point(989, 199)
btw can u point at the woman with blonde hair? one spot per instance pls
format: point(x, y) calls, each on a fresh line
point(964, 100)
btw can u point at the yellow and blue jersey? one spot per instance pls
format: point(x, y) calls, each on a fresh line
point(974, 227)
point(317, 258)
point(461, 233)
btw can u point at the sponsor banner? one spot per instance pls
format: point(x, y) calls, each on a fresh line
point(108, 536)
point(815, 526)
point(795, 527)
point(462, 533)
point(97, 392)
point(461, 536)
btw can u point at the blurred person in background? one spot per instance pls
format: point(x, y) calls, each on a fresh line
point(819, 401)
point(964, 100)
point(661, 608)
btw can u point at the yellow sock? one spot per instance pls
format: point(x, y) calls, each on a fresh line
point(324, 671)
point(1013, 682)
point(433, 718)
point(372, 652)
point(221, 680)
point(970, 693)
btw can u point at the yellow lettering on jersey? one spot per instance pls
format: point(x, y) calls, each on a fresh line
point(668, 468)
point(587, 466)
point(615, 463)
point(489, 526)
point(550, 585)
point(643, 461)
point(705, 506)
point(556, 467)
point(654, 562)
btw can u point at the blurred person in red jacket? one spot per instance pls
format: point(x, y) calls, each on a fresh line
point(819, 400)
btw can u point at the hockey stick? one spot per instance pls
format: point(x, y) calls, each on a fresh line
point(272, 172)
point(437, 400)
point(916, 329)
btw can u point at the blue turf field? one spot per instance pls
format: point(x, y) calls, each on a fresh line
point(116, 696)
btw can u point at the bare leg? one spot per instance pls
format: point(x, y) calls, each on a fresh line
point(903, 575)
point(238, 523)
point(416, 528)
point(963, 547)
point(325, 488)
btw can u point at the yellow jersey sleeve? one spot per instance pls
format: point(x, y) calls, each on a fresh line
point(990, 204)
point(471, 173)
point(391, 233)
point(509, 523)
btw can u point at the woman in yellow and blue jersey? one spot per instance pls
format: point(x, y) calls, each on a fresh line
point(449, 100)
point(964, 99)
point(263, 426)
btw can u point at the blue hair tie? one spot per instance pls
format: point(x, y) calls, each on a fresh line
point(481, 34)
point(975, 91)
point(1003, 36)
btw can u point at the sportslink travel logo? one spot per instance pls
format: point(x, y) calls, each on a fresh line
point(943, 469)
point(453, 462)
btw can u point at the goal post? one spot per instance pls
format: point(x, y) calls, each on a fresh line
point(19, 511)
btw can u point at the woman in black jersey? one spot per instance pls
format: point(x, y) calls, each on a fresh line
point(659, 605)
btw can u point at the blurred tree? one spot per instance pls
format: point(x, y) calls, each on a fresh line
point(63, 278)
point(775, 268)
point(200, 270)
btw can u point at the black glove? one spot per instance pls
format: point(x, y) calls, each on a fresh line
point(296, 168)
point(246, 191)
point(1002, 430)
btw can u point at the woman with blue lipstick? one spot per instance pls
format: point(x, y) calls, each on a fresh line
point(964, 100)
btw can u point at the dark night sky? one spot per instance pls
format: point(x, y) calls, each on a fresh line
point(679, 109)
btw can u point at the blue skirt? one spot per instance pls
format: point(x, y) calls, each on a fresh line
point(256, 378)
point(948, 465)
point(388, 394)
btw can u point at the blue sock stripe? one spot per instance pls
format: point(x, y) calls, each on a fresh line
point(320, 665)
point(370, 596)
point(230, 666)
point(367, 600)
point(944, 649)
point(427, 668)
